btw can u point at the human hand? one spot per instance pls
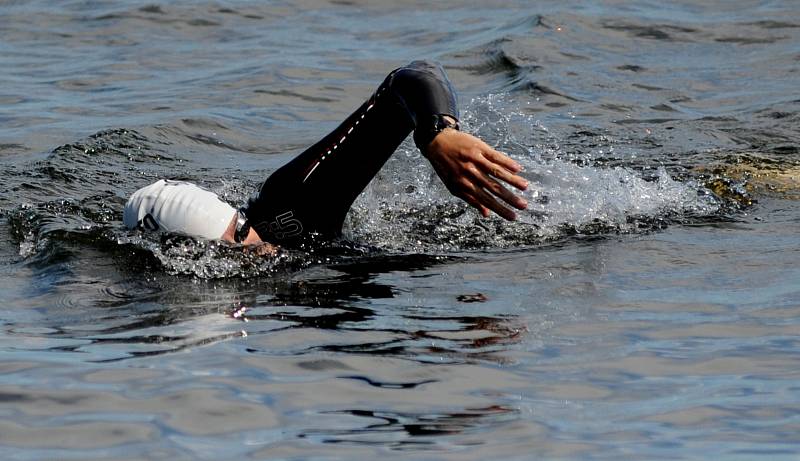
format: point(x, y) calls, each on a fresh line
point(472, 171)
point(261, 249)
point(252, 243)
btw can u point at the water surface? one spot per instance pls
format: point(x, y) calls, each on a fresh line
point(645, 307)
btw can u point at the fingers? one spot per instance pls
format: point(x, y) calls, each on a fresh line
point(480, 189)
point(486, 180)
point(483, 200)
point(487, 200)
point(501, 159)
point(475, 202)
point(502, 167)
point(498, 190)
point(504, 175)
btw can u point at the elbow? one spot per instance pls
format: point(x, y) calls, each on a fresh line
point(419, 73)
point(425, 90)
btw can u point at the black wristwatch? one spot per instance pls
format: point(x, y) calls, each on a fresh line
point(424, 133)
point(242, 227)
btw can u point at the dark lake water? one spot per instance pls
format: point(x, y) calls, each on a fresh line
point(646, 306)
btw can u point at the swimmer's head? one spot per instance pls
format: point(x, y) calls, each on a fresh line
point(178, 207)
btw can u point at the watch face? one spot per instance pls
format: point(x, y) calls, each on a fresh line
point(242, 229)
point(443, 122)
point(241, 233)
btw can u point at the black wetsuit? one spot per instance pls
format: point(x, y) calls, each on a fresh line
point(313, 193)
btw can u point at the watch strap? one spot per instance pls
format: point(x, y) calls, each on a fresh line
point(242, 227)
point(427, 130)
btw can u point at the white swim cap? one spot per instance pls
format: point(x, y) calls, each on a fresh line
point(179, 207)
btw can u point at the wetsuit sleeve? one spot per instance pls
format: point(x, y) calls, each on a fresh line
point(312, 193)
point(426, 92)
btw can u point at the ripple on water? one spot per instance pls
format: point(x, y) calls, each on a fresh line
point(429, 333)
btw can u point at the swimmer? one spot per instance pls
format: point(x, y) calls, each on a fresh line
point(311, 195)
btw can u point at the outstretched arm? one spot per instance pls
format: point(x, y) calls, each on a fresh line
point(313, 192)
